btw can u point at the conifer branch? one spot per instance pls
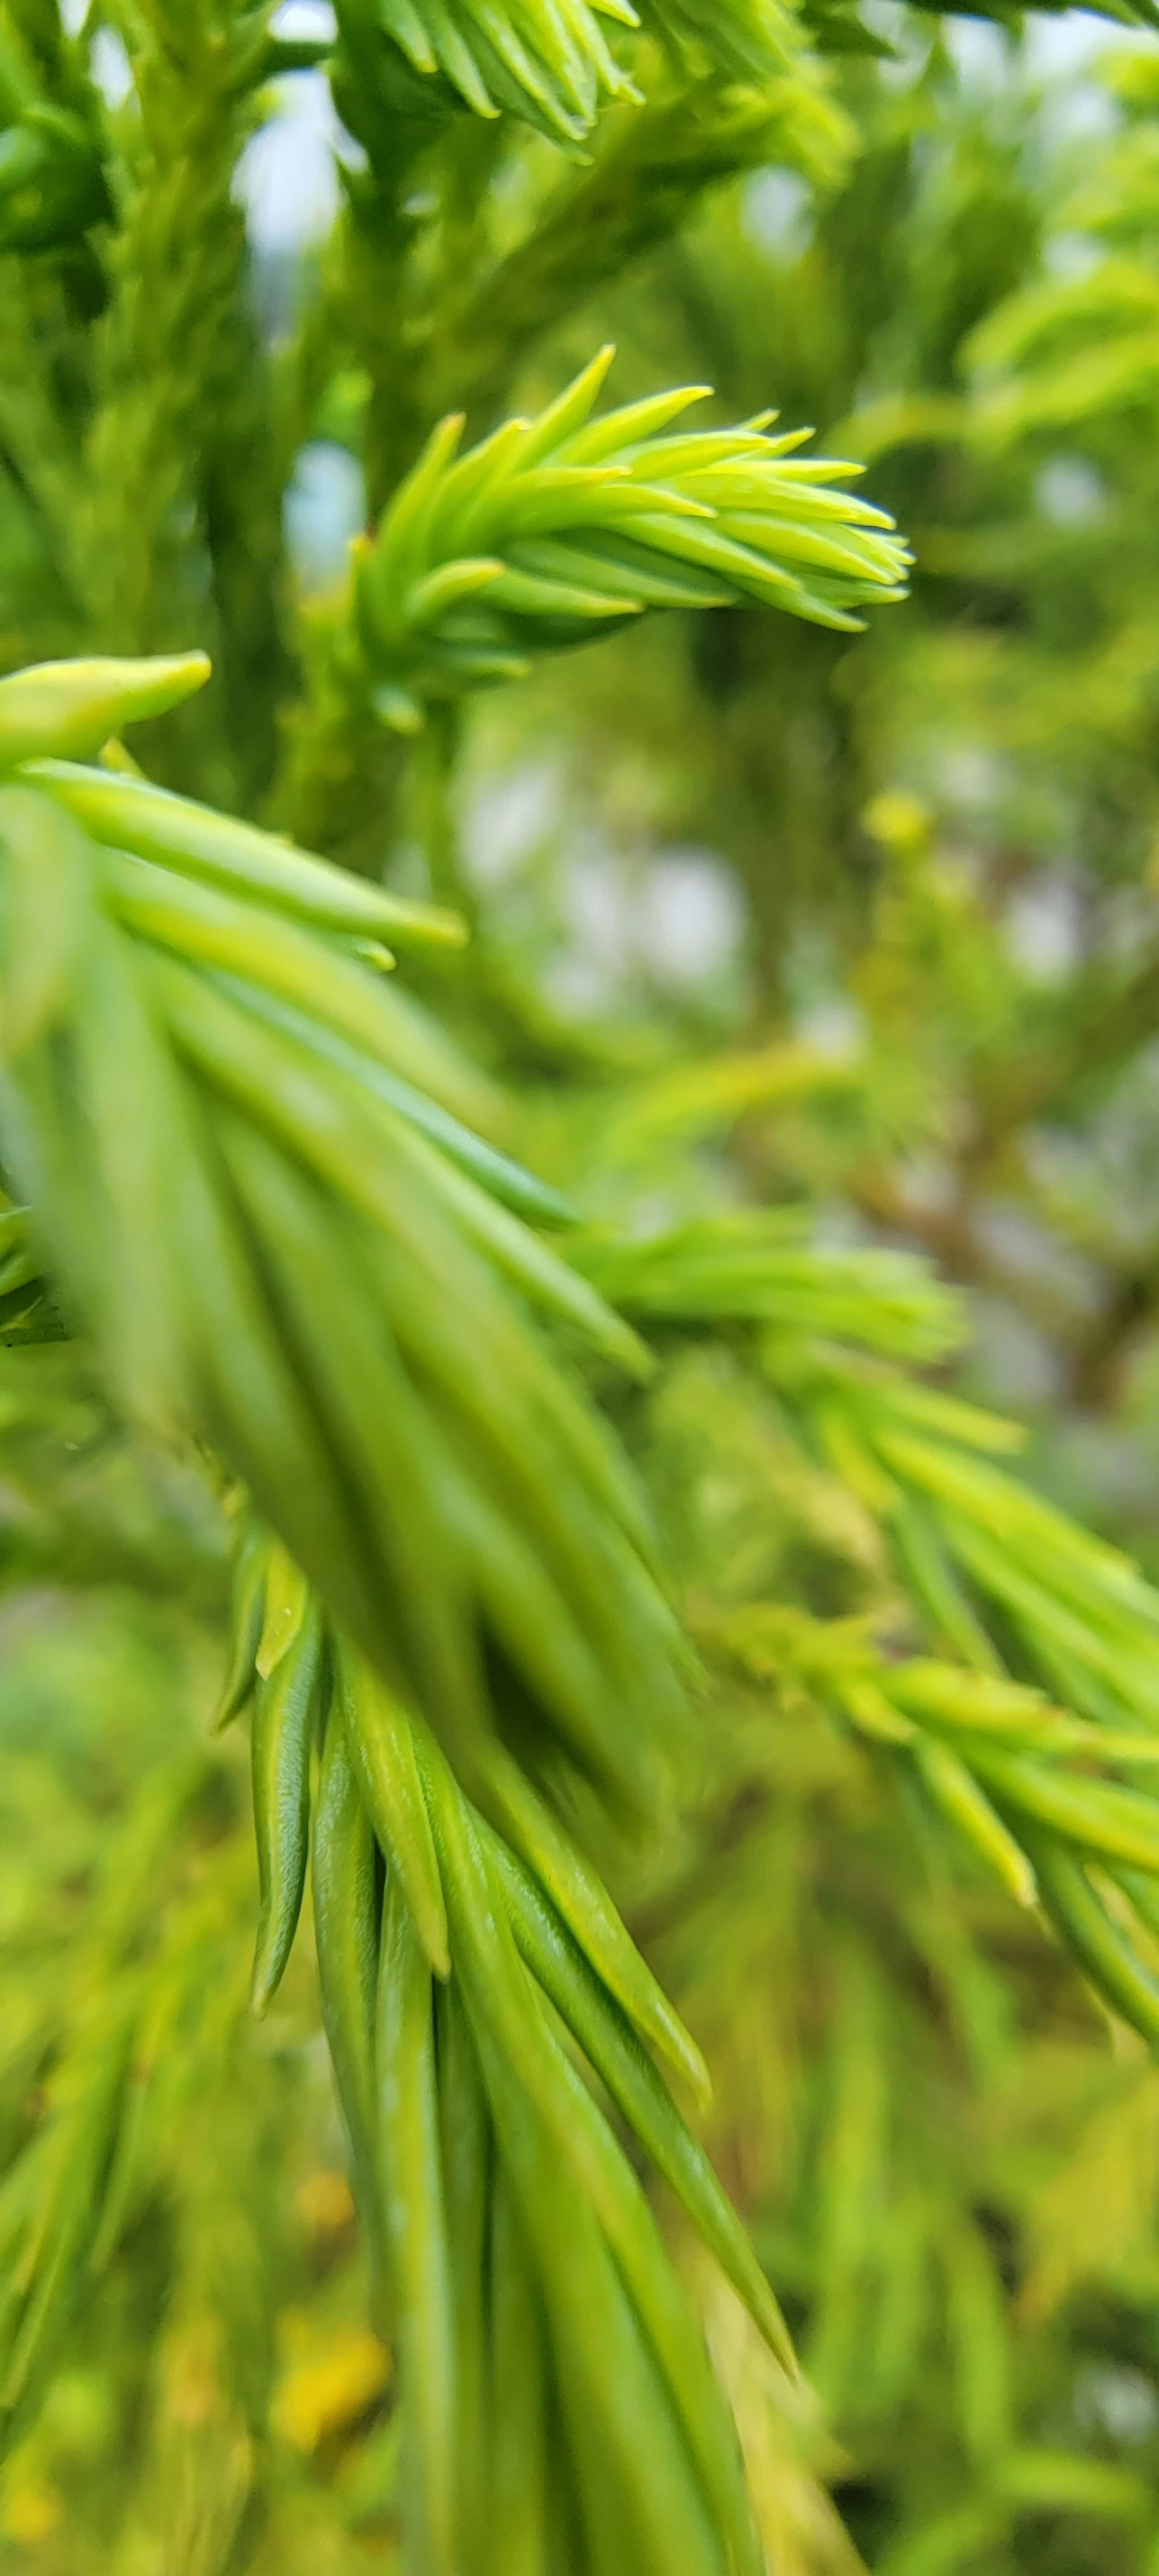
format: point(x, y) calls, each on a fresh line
point(554, 530)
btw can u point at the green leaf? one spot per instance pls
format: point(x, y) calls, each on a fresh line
point(46, 904)
point(195, 842)
point(70, 709)
point(382, 1750)
point(285, 1714)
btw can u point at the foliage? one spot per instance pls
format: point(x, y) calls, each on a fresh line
point(612, 1531)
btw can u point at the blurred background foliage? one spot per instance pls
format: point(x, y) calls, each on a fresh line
point(861, 930)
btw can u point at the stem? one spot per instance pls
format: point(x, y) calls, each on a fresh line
point(340, 779)
point(177, 390)
point(432, 807)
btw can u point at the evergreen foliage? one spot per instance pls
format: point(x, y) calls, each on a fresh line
point(524, 1533)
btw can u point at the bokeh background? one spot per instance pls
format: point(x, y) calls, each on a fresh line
point(900, 894)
